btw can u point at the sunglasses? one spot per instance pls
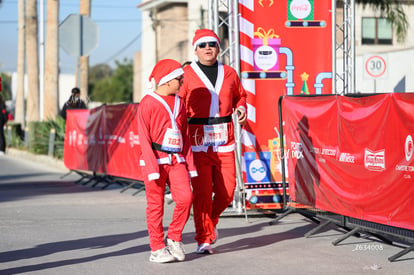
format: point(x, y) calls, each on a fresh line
point(180, 78)
point(212, 44)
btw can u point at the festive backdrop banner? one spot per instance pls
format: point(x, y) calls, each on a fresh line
point(285, 49)
point(353, 156)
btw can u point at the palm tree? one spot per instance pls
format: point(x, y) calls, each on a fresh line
point(32, 54)
point(50, 109)
point(393, 11)
point(19, 111)
point(85, 8)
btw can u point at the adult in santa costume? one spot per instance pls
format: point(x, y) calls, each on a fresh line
point(166, 159)
point(212, 92)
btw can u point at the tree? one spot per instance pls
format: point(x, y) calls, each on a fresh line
point(32, 61)
point(96, 74)
point(21, 48)
point(5, 86)
point(85, 9)
point(117, 87)
point(51, 107)
point(394, 12)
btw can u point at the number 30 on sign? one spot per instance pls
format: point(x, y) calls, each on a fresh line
point(375, 66)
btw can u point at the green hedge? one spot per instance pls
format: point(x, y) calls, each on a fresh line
point(39, 135)
point(14, 135)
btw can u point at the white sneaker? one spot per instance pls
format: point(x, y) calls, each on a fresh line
point(204, 248)
point(161, 256)
point(176, 249)
point(216, 236)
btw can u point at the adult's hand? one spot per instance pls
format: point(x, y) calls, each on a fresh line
point(242, 116)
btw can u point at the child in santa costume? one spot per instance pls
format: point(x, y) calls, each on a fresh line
point(212, 92)
point(166, 159)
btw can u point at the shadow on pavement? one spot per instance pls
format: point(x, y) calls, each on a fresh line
point(249, 242)
point(16, 191)
point(14, 177)
point(64, 246)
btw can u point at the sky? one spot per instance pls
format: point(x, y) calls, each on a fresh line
point(119, 32)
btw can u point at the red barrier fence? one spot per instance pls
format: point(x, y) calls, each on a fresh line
point(353, 156)
point(103, 140)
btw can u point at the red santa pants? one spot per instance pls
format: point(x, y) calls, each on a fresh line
point(177, 178)
point(216, 175)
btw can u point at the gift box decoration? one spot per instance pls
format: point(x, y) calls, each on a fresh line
point(266, 50)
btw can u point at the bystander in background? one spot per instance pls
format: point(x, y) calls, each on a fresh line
point(4, 116)
point(74, 102)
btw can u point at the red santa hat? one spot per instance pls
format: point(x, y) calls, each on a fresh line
point(165, 70)
point(204, 35)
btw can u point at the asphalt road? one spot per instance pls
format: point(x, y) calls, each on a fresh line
point(52, 225)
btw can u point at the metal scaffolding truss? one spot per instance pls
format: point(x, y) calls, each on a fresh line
point(225, 13)
point(344, 82)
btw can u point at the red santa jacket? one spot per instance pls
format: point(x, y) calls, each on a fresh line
point(153, 122)
point(208, 105)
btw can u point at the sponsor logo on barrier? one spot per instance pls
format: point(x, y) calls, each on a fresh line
point(409, 151)
point(374, 161)
point(76, 139)
point(325, 151)
point(72, 137)
point(296, 149)
point(404, 168)
point(79, 139)
point(347, 158)
point(409, 148)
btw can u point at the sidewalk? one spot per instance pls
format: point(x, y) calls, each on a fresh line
point(51, 225)
point(43, 159)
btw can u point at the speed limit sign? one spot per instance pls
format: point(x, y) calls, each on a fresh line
point(375, 66)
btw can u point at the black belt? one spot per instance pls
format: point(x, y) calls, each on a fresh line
point(157, 147)
point(209, 120)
